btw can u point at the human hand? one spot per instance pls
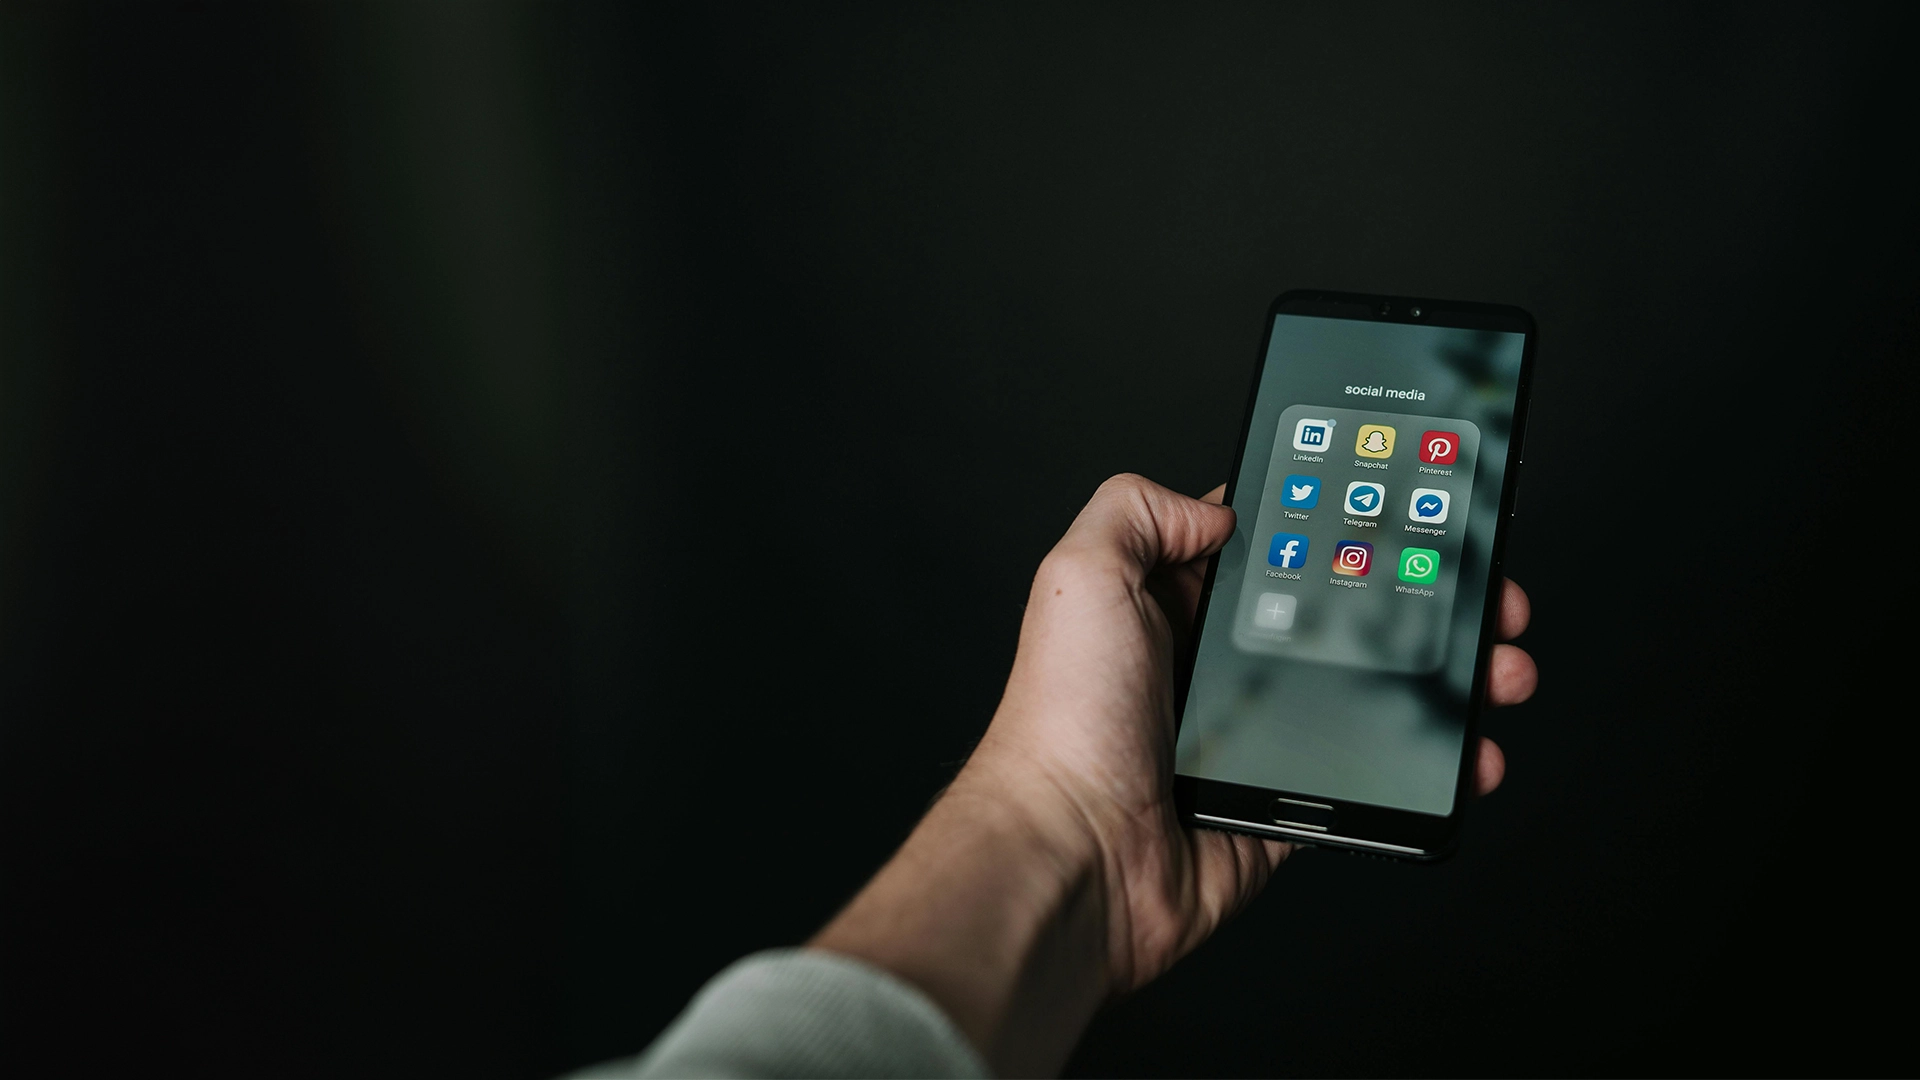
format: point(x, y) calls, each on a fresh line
point(1054, 873)
point(1085, 733)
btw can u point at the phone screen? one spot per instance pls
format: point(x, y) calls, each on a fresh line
point(1337, 653)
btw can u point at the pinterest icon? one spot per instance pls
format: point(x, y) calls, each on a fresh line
point(1439, 447)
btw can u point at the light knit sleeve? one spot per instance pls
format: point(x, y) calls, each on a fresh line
point(802, 1012)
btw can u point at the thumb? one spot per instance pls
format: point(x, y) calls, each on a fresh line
point(1147, 526)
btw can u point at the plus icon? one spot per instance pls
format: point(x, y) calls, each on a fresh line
point(1274, 611)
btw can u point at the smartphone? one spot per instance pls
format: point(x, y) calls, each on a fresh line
point(1338, 666)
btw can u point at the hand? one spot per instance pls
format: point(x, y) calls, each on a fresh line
point(1086, 730)
point(1054, 874)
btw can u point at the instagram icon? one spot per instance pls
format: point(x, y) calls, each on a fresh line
point(1352, 558)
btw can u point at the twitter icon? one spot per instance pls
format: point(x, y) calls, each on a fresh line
point(1300, 492)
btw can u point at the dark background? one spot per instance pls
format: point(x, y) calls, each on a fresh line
point(507, 509)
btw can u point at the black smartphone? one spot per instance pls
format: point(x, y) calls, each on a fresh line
point(1339, 658)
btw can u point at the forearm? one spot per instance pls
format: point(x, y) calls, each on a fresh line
point(999, 914)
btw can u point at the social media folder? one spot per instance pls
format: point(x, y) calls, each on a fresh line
point(1374, 511)
point(1364, 498)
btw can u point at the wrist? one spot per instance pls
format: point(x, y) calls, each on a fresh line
point(996, 908)
point(1035, 814)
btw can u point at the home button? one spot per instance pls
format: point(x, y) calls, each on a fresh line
point(1295, 814)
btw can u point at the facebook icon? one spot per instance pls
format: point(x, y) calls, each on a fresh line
point(1313, 435)
point(1288, 551)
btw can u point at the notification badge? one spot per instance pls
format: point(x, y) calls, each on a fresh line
point(1352, 558)
point(1439, 447)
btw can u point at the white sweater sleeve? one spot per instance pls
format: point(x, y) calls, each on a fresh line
point(801, 1012)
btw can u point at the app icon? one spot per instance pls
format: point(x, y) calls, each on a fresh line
point(1301, 492)
point(1419, 565)
point(1439, 447)
point(1288, 551)
point(1274, 611)
point(1429, 505)
point(1365, 498)
point(1313, 435)
point(1374, 441)
point(1352, 558)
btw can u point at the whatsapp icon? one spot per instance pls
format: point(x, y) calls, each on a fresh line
point(1419, 566)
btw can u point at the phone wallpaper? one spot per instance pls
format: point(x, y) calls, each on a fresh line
point(1338, 648)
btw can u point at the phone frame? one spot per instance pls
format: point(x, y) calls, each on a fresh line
point(1350, 826)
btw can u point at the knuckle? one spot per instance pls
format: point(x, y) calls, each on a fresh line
point(1124, 484)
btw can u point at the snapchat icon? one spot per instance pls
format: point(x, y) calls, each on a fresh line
point(1375, 441)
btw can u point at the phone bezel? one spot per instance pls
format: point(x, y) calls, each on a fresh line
point(1361, 827)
